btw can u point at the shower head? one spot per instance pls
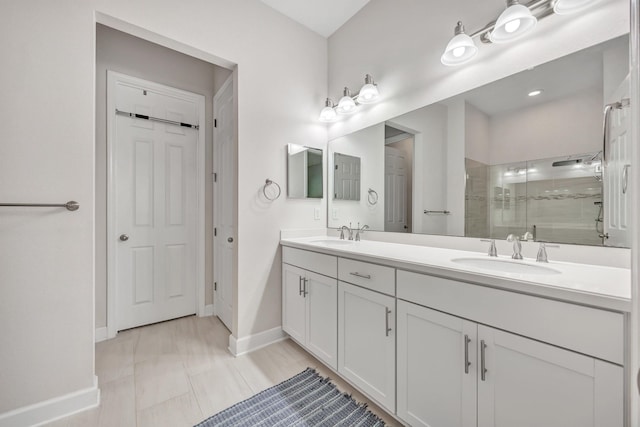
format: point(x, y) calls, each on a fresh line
point(567, 162)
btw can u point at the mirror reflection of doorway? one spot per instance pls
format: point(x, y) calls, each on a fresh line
point(398, 178)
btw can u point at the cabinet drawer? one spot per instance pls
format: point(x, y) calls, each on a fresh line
point(591, 331)
point(312, 261)
point(371, 276)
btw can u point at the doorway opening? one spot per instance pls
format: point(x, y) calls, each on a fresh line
point(151, 57)
point(398, 179)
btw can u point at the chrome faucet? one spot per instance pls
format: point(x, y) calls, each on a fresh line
point(542, 252)
point(344, 227)
point(517, 246)
point(493, 251)
point(361, 231)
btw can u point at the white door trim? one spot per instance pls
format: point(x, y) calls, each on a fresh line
point(113, 78)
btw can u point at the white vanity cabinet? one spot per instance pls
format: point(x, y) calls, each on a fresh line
point(367, 342)
point(310, 303)
point(452, 370)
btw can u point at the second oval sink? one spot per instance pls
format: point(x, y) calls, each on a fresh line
point(505, 266)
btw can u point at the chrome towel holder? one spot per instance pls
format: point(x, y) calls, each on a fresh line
point(70, 205)
point(268, 183)
point(372, 196)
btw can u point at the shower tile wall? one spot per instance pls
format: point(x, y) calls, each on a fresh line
point(563, 209)
point(476, 220)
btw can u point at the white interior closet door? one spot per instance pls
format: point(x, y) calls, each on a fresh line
point(224, 160)
point(154, 201)
point(395, 190)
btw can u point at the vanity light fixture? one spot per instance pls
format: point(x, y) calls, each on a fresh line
point(460, 49)
point(566, 7)
point(514, 22)
point(348, 104)
point(369, 92)
point(328, 113)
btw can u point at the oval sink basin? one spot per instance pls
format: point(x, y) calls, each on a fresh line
point(333, 242)
point(505, 266)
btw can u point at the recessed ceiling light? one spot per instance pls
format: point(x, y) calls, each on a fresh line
point(535, 92)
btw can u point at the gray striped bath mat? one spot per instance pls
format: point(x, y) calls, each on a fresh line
point(304, 400)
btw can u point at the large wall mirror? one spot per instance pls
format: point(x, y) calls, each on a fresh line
point(524, 155)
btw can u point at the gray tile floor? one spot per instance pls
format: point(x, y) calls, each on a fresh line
point(178, 373)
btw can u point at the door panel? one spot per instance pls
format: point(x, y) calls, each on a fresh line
point(322, 317)
point(433, 387)
point(366, 350)
point(224, 203)
point(293, 303)
point(154, 187)
point(529, 384)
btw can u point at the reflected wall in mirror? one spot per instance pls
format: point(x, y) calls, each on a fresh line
point(521, 155)
point(304, 172)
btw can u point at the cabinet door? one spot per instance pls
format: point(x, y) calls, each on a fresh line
point(293, 303)
point(531, 384)
point(437, 368)
point(322, 317)
point(366, 342)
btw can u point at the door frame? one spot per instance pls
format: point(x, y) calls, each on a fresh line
point(114, 78)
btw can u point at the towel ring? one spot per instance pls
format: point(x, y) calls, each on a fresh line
point(372, 196)
point(268, 183)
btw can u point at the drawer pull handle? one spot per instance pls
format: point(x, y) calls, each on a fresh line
point(300, 285)
point(364, 276)
point(483, 369)
point(467, 340)
point(386, 321)
point(304, 287)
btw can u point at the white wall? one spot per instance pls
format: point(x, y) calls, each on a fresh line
point(428, 125)
point(47, 82)
point(368, 144)
point(400, 44)
point(118, 51)
point(478, 138)
point(570, 125)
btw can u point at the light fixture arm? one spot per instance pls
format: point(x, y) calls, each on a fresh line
point(539, 8)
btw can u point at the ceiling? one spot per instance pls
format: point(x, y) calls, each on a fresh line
point(322, 16)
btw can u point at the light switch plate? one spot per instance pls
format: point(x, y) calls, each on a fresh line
point(316, 214)
point(334, 213)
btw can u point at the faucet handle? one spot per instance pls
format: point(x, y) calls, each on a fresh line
point(542, 252)
point(493, 251)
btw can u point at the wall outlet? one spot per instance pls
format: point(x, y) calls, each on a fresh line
point(316, 214)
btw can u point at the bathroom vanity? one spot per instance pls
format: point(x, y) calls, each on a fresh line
point(442, 337)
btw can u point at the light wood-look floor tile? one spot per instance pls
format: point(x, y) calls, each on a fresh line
point(160, 379)
point(179, 373)
point(220, 387)
point(179, 411)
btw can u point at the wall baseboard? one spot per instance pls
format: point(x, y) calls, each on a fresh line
point(208, 310)
point(53, 409)
point(254, 342)
point(101, 334)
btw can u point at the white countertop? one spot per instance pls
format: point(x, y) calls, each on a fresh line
point(597, 286)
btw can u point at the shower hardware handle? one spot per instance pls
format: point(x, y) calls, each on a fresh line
point(467, 340)
point(124, 237)
point(364, 276)
point(483, 368)
point(606, 124)
point(387, 329)
point(625, 178)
